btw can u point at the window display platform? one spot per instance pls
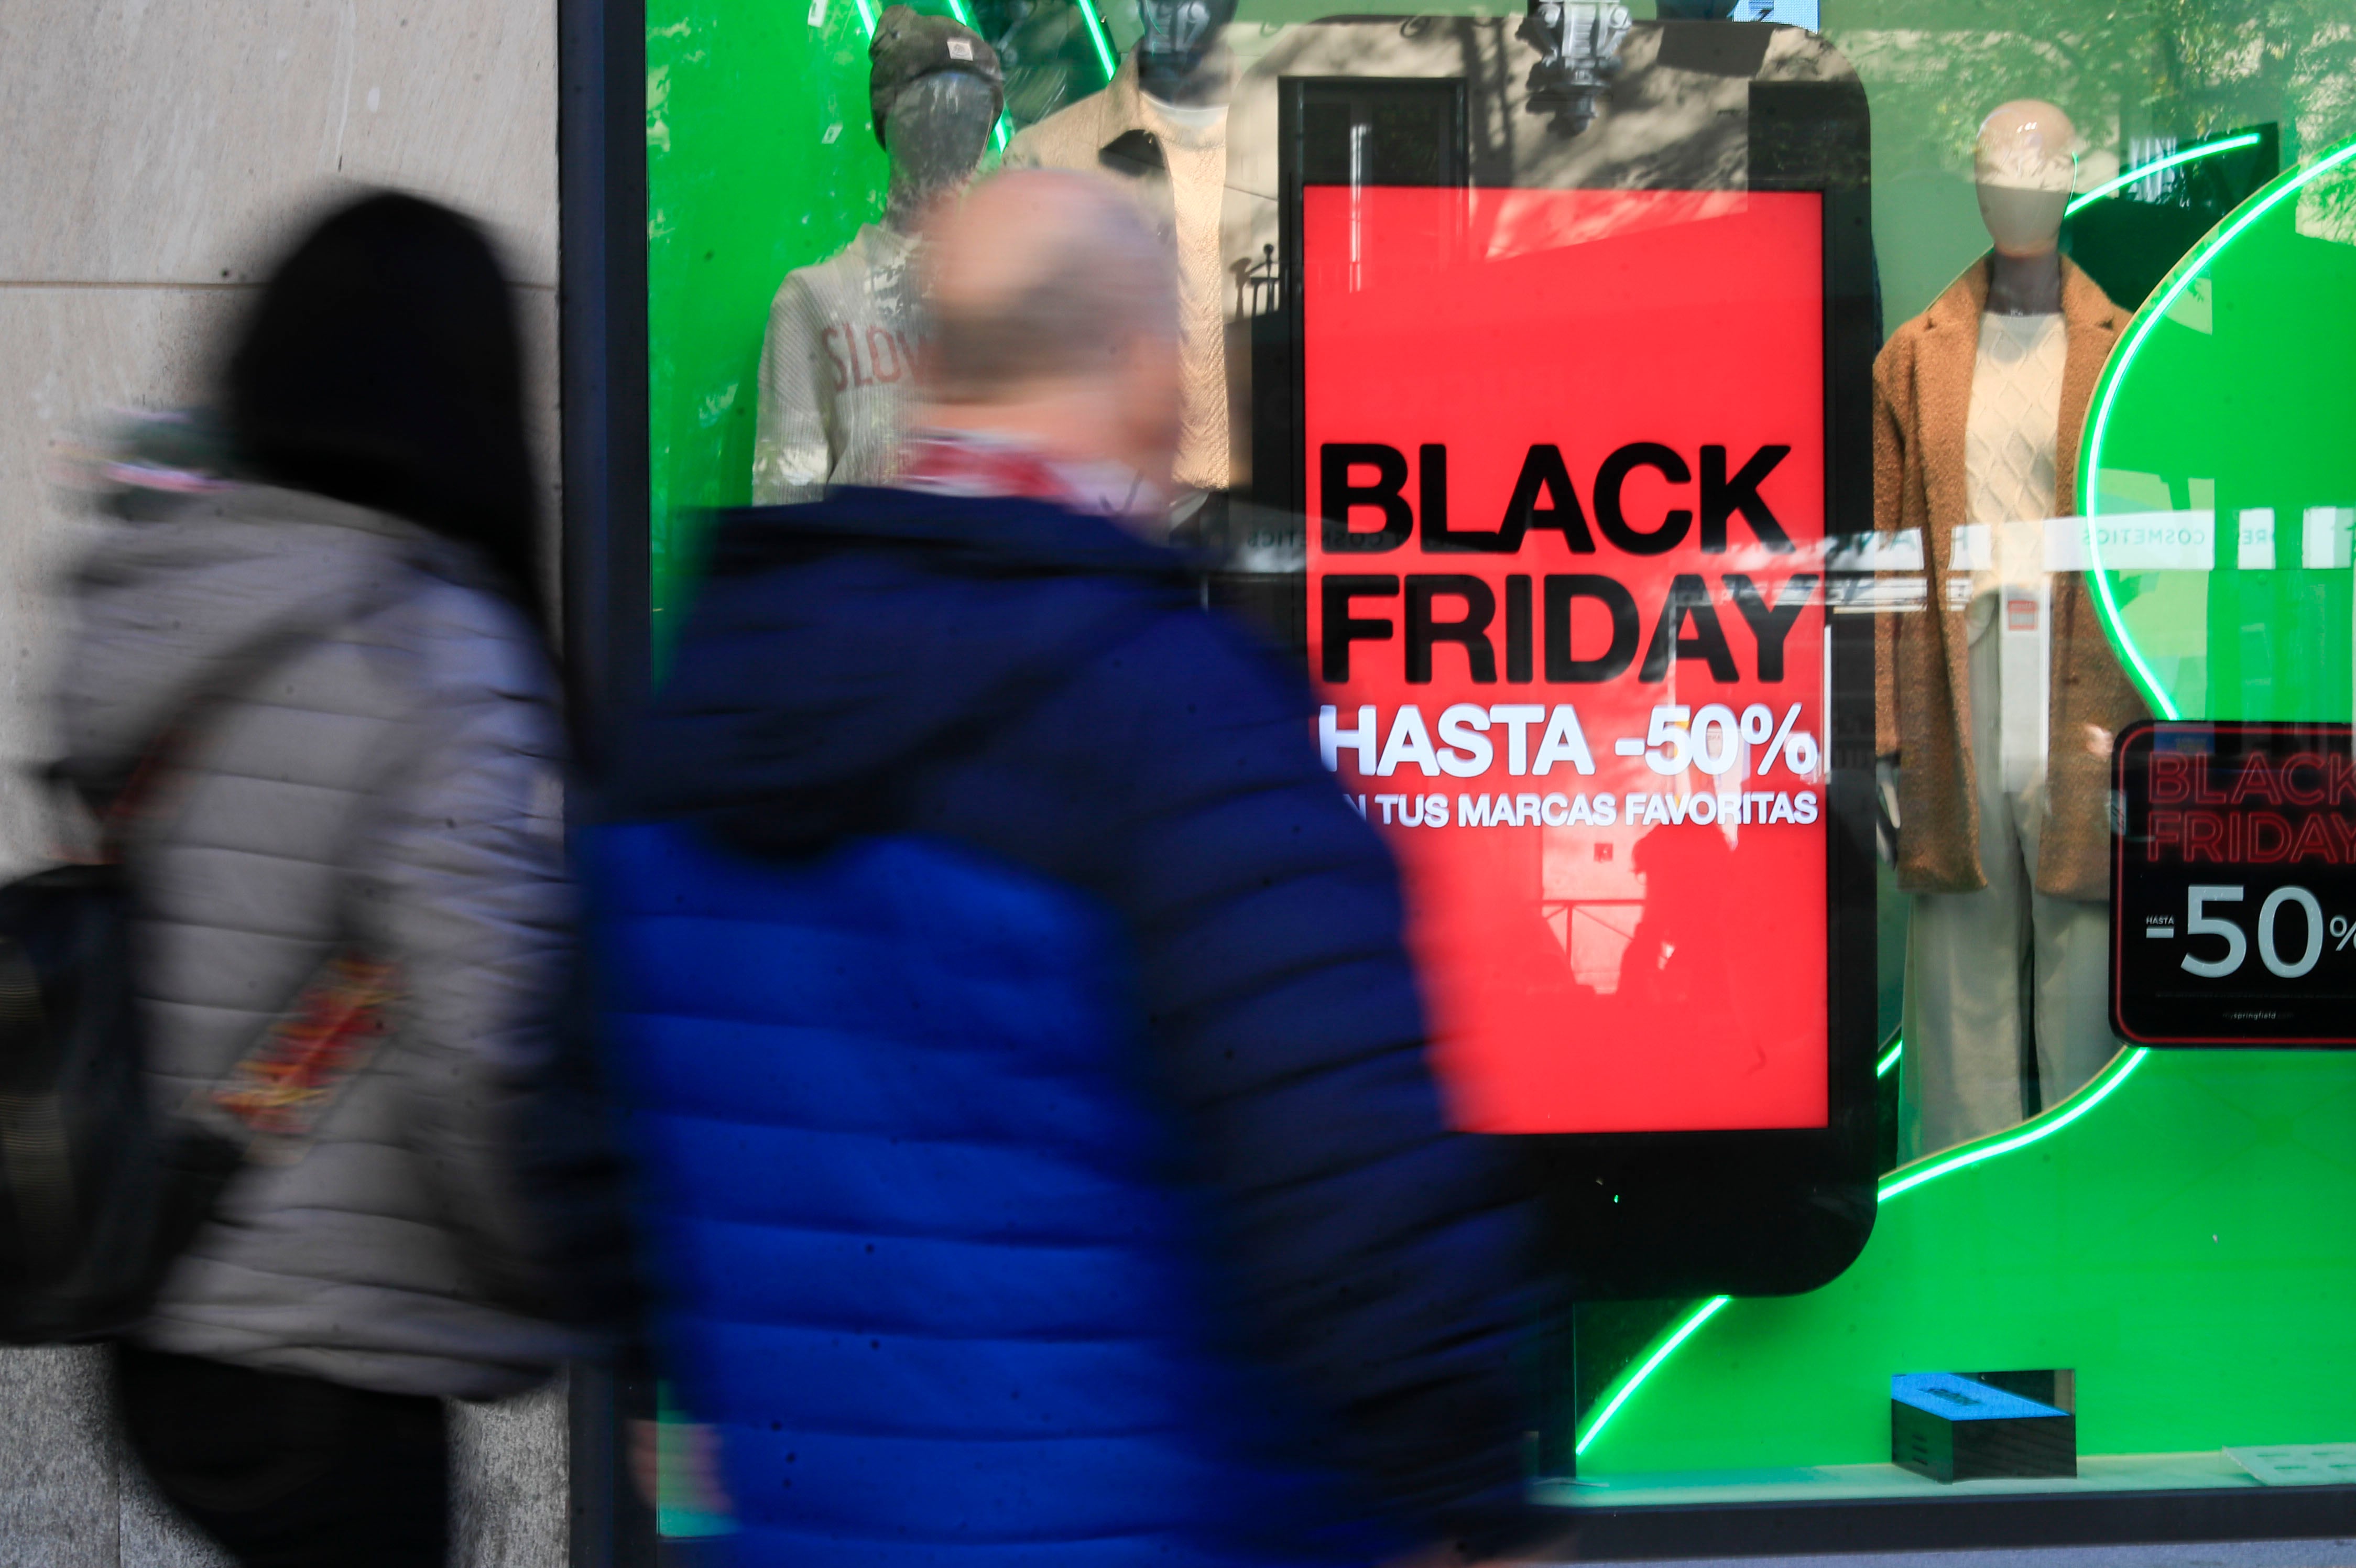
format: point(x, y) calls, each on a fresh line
point(2096, 1473)
point(1856, 1509)
point(1881, 1508)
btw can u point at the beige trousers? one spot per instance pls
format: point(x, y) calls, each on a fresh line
point(1993, 972)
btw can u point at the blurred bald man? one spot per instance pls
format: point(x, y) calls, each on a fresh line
point(1044, 1166)
point(1057, 311)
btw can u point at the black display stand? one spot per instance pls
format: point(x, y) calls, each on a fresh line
point(1649, 1216)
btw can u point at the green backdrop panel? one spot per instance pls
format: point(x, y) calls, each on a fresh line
point(2230, 394)
point(2182, 1232)
point(2186, 1246)
point(760, 159)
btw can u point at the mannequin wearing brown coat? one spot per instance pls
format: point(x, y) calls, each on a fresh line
point(1922, 397)
point(1997, 695)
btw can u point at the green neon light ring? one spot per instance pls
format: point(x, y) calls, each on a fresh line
point(2206, 149)
point(2106, 392)
point(1890, 1059)
point(1098, 36)
point(1678, 1336)
point(2036, 1129)
point(866, 17)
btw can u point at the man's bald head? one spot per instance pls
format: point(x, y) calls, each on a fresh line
point(1040, 277)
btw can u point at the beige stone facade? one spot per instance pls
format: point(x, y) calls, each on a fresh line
point(155, 154)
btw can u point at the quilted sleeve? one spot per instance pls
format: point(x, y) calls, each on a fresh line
point(1377, 1255)
point(464, 888)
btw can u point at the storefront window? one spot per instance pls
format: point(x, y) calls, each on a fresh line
point(2126, 1232)
point(1865, 721)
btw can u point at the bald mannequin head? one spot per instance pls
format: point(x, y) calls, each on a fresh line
point(2024, 162)
point(1054, 320)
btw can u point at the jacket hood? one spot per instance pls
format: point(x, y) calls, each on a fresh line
point(835, 646)
point(167, 607)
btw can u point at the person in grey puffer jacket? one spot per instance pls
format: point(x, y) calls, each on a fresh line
point(334, 662)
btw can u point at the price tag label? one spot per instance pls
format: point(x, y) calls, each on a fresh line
point(2234, 876)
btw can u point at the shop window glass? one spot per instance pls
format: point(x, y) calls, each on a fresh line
point(2129, 500)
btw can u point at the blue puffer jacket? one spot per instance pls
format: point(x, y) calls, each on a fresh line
point(1042, 1158)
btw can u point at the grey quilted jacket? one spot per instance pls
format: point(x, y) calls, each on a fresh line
point(391, 779)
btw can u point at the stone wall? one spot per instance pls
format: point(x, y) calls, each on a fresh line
point(155, 153)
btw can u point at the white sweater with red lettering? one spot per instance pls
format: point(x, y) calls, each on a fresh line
point(838, 368)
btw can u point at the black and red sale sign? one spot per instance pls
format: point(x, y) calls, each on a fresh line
point(2233, 884)
point(1565, 455)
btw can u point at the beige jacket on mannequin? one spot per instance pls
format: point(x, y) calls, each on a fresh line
point(1922, 402)
point(1187, 201)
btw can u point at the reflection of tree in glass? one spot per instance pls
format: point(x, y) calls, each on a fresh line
point(1675, 960)
point(2131, 72)
point(1047, 51)
point(1665, 122)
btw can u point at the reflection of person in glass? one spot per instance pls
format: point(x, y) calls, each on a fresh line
point(1117, 1072)
point(1161, 124)
point(1675, 958)
point(839, 364)
point(1999, 698)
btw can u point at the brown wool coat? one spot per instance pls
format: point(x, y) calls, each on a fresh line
point(1921, 401)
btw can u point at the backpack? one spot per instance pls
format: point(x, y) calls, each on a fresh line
point(100, 1194)
point(97, 1197)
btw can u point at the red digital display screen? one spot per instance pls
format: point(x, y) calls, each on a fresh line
point(1565, 467)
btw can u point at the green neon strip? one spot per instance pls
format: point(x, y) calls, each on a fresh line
point(2036, 1129)
point(1098, 36)
point(1881, 1069)
point(2147, 319)
point(1636, 1379)
point(866, 17)
point(2247, 139)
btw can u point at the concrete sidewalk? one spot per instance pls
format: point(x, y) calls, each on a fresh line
point(2202, 1554)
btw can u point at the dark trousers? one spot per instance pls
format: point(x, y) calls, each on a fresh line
point(288, 1471)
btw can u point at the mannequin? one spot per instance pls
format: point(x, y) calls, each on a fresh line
point(838, 365)
point(1161, 124)
point(2024, 164)
point(1997, 700)
point(1181, 58)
